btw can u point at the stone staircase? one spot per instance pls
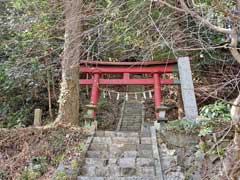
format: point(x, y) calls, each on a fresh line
point(132, 116)
point(130, 153)
point(121, 156)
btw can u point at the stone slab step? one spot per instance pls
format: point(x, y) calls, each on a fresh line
point(118, 178)
point(124, 170)
point(119, 147)
point(108, 155)
point(131, 128)
point(99, 147)
point(116, 140)
point(133, 103)
point(132, 119)
point(146, 140)
point(131, 123)
point(120, 154)
point(133, 114)
point(145, 131)
point(123, 162)
point(116, 134)
point(98, 154)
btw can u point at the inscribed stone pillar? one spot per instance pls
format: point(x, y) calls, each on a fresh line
point(188, 95)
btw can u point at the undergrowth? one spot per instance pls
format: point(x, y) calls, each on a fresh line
point(212, 117)
point(33, 153)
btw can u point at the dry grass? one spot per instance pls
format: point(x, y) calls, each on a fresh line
point(19, 146)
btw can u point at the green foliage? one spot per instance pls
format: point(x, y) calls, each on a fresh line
point(218, 110)
point(32, 40)
point(80, 147)
point(28, 43)
point(204, 131)
point(3, 175)
point(212, 117)
point(185, 126)
point(103, 104)
point(100, 120)
point(61, 176)
point(75, 167)
point(30, 175)
point(57, 159)
point(37, 168)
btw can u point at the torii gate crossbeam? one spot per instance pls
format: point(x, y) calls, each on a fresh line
point(153, 69)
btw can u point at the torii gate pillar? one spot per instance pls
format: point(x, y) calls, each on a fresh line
point(157, 92)
point(95, 91)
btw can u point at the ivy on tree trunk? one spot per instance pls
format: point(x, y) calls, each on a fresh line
point(69, 95)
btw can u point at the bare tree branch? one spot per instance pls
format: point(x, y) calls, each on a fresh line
point(204, 21)
point(233, 32)
point(238, 4)
point(171, 6)
point(234, 42)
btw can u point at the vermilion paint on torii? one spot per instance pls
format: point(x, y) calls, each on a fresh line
point(154, 68)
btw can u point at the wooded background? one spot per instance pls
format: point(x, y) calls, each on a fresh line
point(32, 44)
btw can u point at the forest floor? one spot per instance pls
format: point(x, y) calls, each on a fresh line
point(34, 153)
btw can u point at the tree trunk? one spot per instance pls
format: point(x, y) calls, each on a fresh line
point(69, 95)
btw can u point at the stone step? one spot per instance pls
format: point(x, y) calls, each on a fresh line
point(119, 147)
point(144, 147)
point(145, 131)
point(133, 102)
point(122, 170)
point(134, 112)
point(105, 154)
point(132, 121)
point(98, 154)
point(141, 153)
point(116, 134)
point(146, 140)
point(128, 146)
point(115, 140)
point(118, 178)
point(130, 126)
point(131, 129)
point(113, 147)
point(125, 140)
point(133, 109)
point(99, 147)
point(133, 105)
point(126, 161)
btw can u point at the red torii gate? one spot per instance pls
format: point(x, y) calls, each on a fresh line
point(153, 68)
